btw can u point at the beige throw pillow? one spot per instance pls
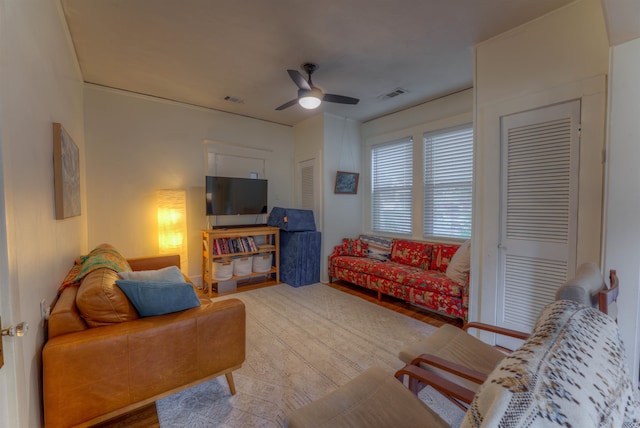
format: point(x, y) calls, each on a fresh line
point(458, 269)
point(167, 274)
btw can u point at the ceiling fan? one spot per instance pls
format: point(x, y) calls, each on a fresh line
point(310, 96)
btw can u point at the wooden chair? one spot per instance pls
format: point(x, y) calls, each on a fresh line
point(453, 354)
point(458, 357)
point(608, 298)
point(513, 394)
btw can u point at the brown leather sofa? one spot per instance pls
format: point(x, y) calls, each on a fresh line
point(92, 374)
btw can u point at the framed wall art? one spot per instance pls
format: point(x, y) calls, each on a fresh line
point(347, 182)
point(66, 171)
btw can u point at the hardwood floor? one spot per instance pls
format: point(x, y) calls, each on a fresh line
point(148, 416)
point(396, 305)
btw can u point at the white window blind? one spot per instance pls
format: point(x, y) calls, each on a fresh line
point(391, 186)
point(448, 171)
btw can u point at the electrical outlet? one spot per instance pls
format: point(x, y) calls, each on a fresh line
point(44, 309)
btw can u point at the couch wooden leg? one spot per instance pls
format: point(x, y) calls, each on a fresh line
point(379, 296)
point(232, 386)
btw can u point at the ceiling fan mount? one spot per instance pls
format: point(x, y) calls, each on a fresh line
point(309, 68)
point(310, 96)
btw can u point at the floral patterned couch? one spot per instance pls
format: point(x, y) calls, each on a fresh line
point(417, 272)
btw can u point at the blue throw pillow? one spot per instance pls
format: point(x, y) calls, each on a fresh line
point(152, 298)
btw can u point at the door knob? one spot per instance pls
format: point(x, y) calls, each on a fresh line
point(17, 330)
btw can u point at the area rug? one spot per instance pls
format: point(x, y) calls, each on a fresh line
point(302, 343)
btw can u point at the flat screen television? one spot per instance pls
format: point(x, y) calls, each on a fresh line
point(236, 196)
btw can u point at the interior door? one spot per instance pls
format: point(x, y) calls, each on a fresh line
point(538, 222)
point(8, 386)
point(308, 189)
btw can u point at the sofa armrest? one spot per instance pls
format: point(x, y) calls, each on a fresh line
point(102, 370)
point(337, 251)
point(154, 263)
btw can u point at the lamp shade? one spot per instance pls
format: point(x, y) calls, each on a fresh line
point(172, 224)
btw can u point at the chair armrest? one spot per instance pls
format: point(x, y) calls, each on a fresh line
point(607, 296)
point(439, 383)
point(449, 366)
point(495, 329)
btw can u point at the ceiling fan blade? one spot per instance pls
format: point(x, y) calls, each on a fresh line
point(333, 98)
point(288, 104)
point(299, 79)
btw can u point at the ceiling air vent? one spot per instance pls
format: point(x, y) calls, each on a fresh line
point(393, 94)
point(236, 100)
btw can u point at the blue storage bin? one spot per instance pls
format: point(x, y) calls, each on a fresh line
point(300, 258)
point(292, 220)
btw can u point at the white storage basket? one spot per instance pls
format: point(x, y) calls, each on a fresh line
point(262, 262)
point(221, 270)
point(242, 266)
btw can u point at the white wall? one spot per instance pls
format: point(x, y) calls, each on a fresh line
point(334, 143)
point(559, 57)
point(40, 83)
point(342, 213)
point(137, 145)
point(622, 229)
point(442, 113)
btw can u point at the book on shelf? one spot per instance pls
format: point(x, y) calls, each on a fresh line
point(252, 243)
point(223, 246)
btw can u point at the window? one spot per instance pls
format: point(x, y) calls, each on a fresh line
point(391, 186)
point(448, 168)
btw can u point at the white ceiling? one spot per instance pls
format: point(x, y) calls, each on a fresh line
point(201, 51)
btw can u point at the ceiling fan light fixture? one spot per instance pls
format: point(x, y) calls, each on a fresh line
point(309, 102)
point(309, 96)
point(310, 99)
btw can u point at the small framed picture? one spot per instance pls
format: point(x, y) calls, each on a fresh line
point(347, 182)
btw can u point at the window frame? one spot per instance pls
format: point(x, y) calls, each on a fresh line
point(408, 140)
point(392, 131)
point(463, 185)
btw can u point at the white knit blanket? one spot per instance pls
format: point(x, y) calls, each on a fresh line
point(570, 373)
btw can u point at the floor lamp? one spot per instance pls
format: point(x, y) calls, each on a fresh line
point(172, 224)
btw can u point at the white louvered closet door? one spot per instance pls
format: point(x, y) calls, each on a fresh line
point(539, 199)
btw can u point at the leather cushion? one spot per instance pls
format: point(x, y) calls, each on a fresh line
point(100, 300)
point(64, 317)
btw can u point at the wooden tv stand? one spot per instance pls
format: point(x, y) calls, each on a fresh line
point(212, 253)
